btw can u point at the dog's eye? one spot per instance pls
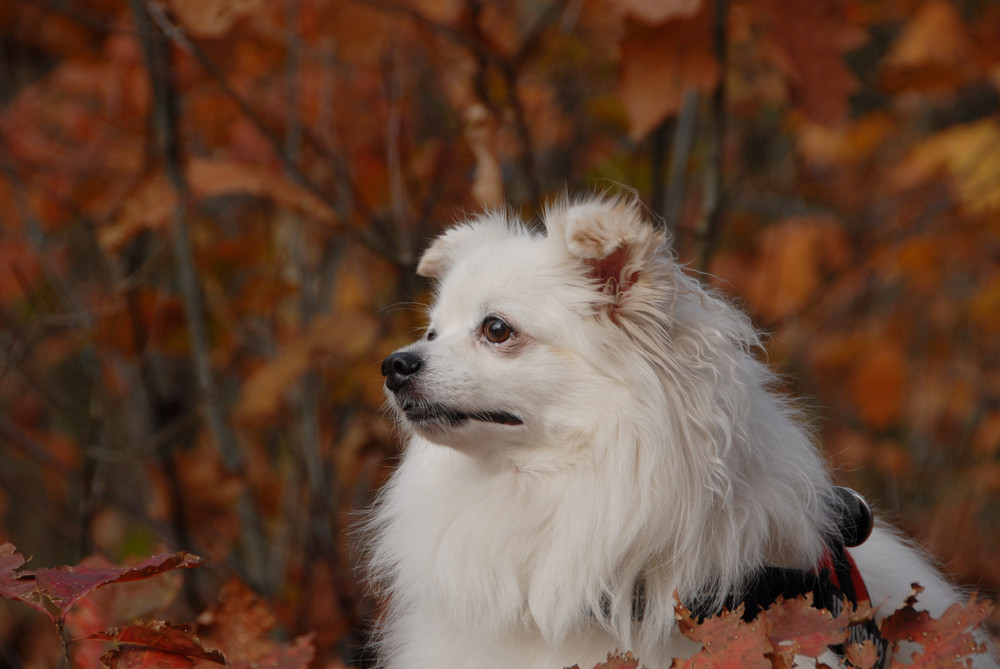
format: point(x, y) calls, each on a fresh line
point(496, 330)
point(431, 335)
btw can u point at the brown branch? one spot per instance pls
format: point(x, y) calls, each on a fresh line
point(680, 152)
point(165, 115)
point(714, 196)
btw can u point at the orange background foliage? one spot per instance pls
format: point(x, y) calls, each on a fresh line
point(211, 212)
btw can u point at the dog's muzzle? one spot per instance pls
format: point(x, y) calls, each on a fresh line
point(399, 367)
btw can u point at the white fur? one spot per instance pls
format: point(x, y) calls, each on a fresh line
point(652, 444)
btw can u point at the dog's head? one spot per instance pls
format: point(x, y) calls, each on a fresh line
point(526, 336)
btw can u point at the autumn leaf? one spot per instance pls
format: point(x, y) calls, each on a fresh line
point(862, 655)
point(808, 43)
point(931, 53)
point(149, 207)
point(658, 11)
point(12, 586)
point(795, 255)
point(137, 657)
point(240, 624)
point(61, 587)
point(796, 627)
point(946, 641)
point(969, 153)
point(619, 661)
point(727, 641)
point(144, 643)
point(659, 64)
point(330, 338)
point(213, 18)
point(480, 133)
point(296, 654)
point(878, 383)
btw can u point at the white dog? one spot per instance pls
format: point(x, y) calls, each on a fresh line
point(593, 438)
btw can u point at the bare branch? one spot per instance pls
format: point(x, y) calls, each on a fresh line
point(164, 110)
point(680, 152)
point(714, 197)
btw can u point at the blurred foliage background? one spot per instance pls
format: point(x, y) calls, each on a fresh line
point(211, 210)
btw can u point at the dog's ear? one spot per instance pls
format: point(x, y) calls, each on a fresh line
point(441, 254)
point(610, 237)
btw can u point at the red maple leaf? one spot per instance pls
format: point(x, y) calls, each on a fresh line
point(159, 636)
point(728, 642)
point(59, 587)
point(619, 661)
point(796, 627)
point(946, 641)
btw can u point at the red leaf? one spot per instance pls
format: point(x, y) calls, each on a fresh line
point(946, 641)
point(795, 627)
point(12, 586)
point(159, 636)
point(728, 641)
point(616, 661)
point(65, 585)
point(862, 655)
point(240, 625)
point(659, 63)
point(295, 655)
point(62, 586)
point(132, 657)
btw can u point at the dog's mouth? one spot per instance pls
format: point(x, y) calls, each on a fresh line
point(428, 415)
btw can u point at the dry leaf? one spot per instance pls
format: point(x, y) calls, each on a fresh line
point(932, 52)
point(657, 11)
point(659, 64)
point(480, 133)
point(213, 18)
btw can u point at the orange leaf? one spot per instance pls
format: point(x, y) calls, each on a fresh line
point(969, 153)
point(658, 11)
point(728, 642)
point(878, 383)
point(213, 18)
point(932, 52)
point(162, 638)
point(330, 337)
point(659, 64)
point(618, 661)
point(945, 641)
point(150, 206)
point(796, 627)
point(480, 133)
point(810, 39)
point(795, 254)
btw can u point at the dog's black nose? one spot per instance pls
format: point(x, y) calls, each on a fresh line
point(399, 367)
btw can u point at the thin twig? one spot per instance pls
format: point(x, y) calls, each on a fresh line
point(398, 197)
point(713, 195)
point(680, 152)
point(657, 165)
